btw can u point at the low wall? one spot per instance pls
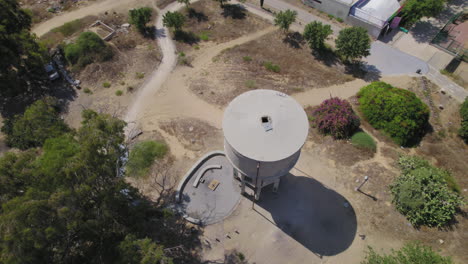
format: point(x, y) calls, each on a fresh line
point(373, 30)
point(332, 7)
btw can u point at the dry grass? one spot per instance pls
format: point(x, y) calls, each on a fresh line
point(208, 22)
point(298, 70)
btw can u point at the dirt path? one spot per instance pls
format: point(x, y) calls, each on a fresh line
point(46, 26)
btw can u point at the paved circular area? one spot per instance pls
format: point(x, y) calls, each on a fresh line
point(204, 204)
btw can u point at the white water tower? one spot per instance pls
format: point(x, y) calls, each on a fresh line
point(264, 132)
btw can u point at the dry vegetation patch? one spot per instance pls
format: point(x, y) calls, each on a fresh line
point(46, 9)
point(194, 134)
point(207, 21)
point(270, 62)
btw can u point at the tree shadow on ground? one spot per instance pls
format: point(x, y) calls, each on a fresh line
point(364, 71)
point(150, 32)
point(234, 11)
point(199, 16)
point(59, 89)
point(326, 56)
point(186, 37)
point(424, 31)
point(319, 218)
point(294, 39)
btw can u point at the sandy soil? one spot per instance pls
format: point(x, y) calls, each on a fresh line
point(298, 71)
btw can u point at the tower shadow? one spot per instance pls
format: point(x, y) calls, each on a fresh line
point(317, 217)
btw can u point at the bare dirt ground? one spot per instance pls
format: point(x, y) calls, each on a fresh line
point(242, 68)
point(210, 24)
point(134, 57)
point(46, 9)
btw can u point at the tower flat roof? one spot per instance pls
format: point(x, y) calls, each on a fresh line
point(265, 125)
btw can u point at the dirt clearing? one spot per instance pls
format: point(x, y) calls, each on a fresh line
point(270, 62)
point(206, 21)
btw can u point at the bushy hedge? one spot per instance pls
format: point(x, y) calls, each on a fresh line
point(399, 113)
point(410, 253)
point(335, 117)
point(88, 48)
point(423, 194)
point(463, 132)
point(143, 155)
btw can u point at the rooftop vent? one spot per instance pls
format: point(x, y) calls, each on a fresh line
point(266, 123)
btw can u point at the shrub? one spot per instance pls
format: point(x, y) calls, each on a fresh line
point(250, 84)
point(130, 89)
point(247, 58)
point(87, 90)
point(69, 28)
point(139, 75)
point(339, 20)
point(422, 194)
point(271, 67)
point(363, 140)
point(204, 36)
point(335, 117)
point(89, 47)
point(118, 92)
point(106, 84)
point(463, 132)
point(143, 155)
point(399, 113)
point(331, 16)
point(40, 121)
point(410, 253)
point(410, 163)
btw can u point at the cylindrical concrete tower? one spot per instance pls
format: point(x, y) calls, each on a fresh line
point(264, 132)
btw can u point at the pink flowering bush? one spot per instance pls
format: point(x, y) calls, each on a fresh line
point(335, 117)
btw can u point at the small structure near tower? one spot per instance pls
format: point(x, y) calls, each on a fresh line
point(264, 132)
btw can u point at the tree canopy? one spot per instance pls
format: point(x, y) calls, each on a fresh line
point(140, 17)
point(22, 63)
point(463, 132)
point(353, 43)
point(284, 19)
point(174, 20)
point(38, 123)
point(316, 33)
point(414, 10)
point(68, 204)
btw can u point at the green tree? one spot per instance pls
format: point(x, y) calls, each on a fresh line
point(284, 19)
point(39, 122)
point(414, 10)
point(399, 113)
point(22, 63)
point(353, 43)
point(140, 17)
point(315, 33)
point(88, 48)
point(174, 20)
point(141, 251)
point(16, 172)
point(463, 132)
point(410, 253)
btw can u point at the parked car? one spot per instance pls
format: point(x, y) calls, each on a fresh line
point(51, 71)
